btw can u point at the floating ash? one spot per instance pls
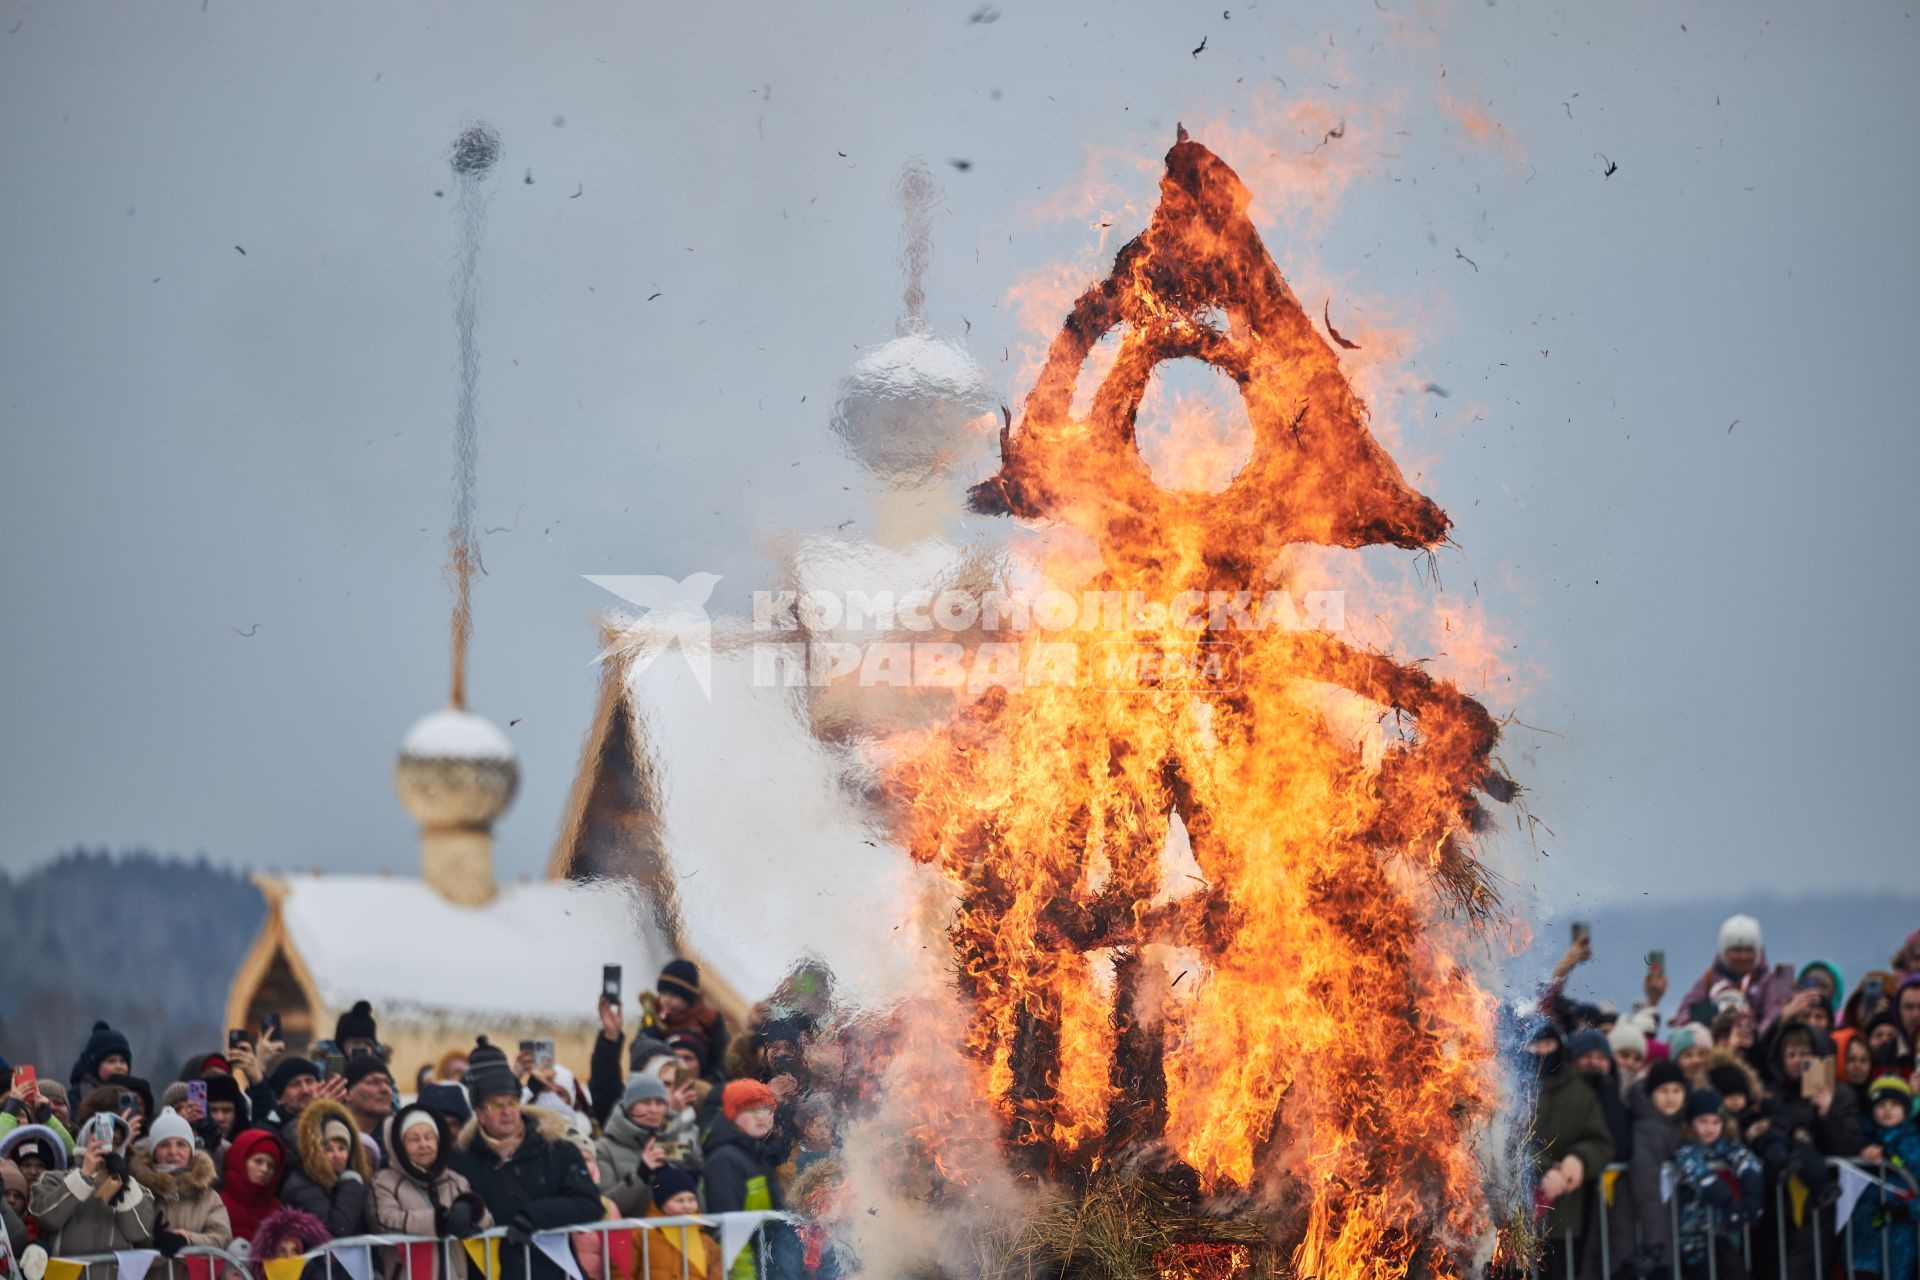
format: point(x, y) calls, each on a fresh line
point(1283, 1031)
point(473, 157)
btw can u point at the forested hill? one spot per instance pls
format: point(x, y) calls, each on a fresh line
point(149, 943)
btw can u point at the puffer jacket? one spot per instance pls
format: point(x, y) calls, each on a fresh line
point(1711, 1199)
point(338, 1200)
point(623, 1174)
point(1655, 1139)
point(1568, 1122)
point(408, 1200)
point(188, 1200)
point(543, 1184)
point(73, 1220)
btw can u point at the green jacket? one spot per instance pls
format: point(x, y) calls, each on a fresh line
point(10, 1121)
point(1568, 1121)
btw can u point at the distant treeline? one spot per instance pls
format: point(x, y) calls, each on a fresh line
point(149, 943)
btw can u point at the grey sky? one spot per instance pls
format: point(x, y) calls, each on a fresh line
point(1711, 623)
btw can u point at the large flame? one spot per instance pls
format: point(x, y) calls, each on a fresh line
point(1284, 1016)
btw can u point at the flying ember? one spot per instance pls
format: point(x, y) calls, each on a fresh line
point(1280, 1026)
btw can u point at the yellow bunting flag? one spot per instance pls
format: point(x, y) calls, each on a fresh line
point(61, 1269)
point(1609, 1179)
point(485, 1255)
point(284, 1268)
point(1797, 1195)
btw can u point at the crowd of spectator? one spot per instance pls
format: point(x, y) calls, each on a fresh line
point(270, 1154)
point(1655, 1140)
point(1711, 1137)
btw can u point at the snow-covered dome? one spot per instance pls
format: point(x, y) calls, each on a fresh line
point(456, 769)
point(907, 408)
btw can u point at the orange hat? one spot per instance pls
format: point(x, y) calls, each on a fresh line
point(745, 1095)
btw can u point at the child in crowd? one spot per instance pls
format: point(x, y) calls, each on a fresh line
point(1883, 1221)
point(1720, 1189)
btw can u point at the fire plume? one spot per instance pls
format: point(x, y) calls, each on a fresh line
point(1282, 1024)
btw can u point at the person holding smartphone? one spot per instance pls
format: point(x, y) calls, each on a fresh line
point(1740, 960)
point(95, 1206)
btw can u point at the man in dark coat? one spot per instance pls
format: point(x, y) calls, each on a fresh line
point(531, 1178)
point(1571, 1145)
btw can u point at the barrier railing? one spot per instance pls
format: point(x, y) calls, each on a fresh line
point(226, 1264)
point(745, 1227)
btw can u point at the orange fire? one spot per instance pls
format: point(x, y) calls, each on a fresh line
point(1284, 1016)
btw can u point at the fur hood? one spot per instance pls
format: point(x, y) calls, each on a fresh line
point(311, 1136)
point(547, 1123)
point(285, 1224)
point(35, 1134)
point(198, 1177)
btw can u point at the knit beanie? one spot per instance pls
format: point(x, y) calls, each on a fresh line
point(744, 1095)
point(1687, 1036)
point(169, 1124)
point(287, 1070)
point(1665, 1071)
point(643, 1086)
point(693, 1042)
point(1625, 1035)
point(448, 1099)
point(1704, 1102)
point(102, 1043)
point(1731, 1081)
point(488, 1075)
point(226, 1089)
point(174, 1094)
point(1585, 1041)
point(1739, 931)
point(680, 978)
point(359, 1068)
point(355, 1024)
point(334, 1127)
point(669, 1182)
point(1890, 1088)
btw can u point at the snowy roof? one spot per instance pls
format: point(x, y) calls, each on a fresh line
point(533, 953)
point(454, 734)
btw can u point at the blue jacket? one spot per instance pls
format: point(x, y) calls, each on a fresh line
point(1895, 1212)
point(1714, 1201)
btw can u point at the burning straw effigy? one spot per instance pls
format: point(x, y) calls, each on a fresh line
point(1276, 1062)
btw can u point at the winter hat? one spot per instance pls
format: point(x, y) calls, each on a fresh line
point(1688, 1036)
point(644, 1050)
point(53, 1089)
point(1890, 1088)
point(226, 1089)
point(287, 1070)
point(1739, 931)
point(415, 1117)
point(1625, 1035)
point(669, 1182)
point(359, 1068)
point(1665, 1071)
point(169, 1124)
point(285, 1224)
point(693, 1042)
point(643, 1086)
point(11, 1179)
point(1587, 1040)
point(488, 1075)
point(1731, 1081)
point(1704, 1102)
point(356, 1024)
point(680, 978)
point(103, 1043)
point(449, 1099)
point(744, 1095)
point(1832, 971)
point(174, 1094)
point(35, 1140)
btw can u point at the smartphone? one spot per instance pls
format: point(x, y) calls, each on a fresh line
point(1702, 1012)
point(526, 1047)
point(269, 1026)
point(1783, 972)
point(1657, 960)
point(1871, 991)
point(235, 1038)
point(100, 1129)
point(23, 1074)
point(610, 982)
point(1582, 931)
point(129, 1101)
point(197, 1094)
point(543, 1053)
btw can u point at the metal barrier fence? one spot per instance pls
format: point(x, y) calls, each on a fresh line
point(1883, 1174)
point(749, 1223)
point(224, 1262)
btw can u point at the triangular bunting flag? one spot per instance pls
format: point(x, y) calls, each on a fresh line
point(354, 1259)
point(1797, 1195)
point(134, 1262)
point(735, 1230)
point(1609, 1179)
point(1666, 1183)
point(1853, 1185)
point(559, 1252)
point(61, 1269)
point(284, 1268)
point(485, 1255)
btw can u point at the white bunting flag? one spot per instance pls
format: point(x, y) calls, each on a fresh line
point(735, 1230)
point(1853, 1185)
point(559, 1252)
point(134, 1262)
